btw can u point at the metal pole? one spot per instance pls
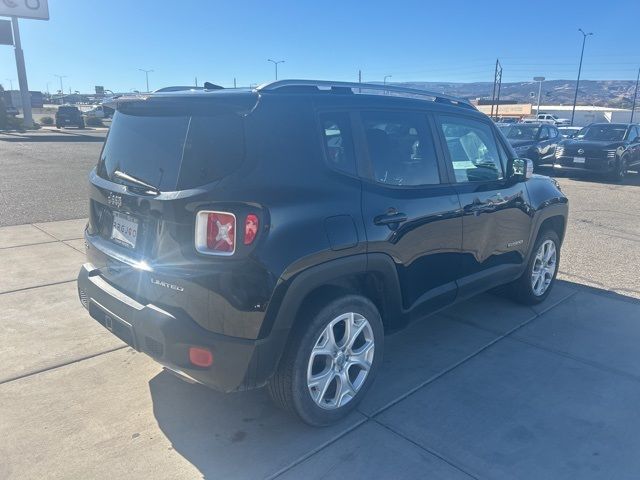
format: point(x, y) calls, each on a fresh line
point(499, 87)
point(575, 97)
point(539, 92)
point(22, 75)
point(275, 63)
point(359, 80)
point(10, 83)
point(495, 81)
point(234, 83)
point(635, 95)
point(146, 74)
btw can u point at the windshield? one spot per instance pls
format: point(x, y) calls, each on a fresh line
point(173, 152)
point(609, 133)
point(523, 132)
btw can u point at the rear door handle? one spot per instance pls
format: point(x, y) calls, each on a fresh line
point(390, 218)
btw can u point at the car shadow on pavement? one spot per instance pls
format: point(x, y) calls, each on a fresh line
point(242, 435)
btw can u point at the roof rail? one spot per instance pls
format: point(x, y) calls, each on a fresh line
point(327, 85)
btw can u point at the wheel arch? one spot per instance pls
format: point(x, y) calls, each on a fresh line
point(373, 276)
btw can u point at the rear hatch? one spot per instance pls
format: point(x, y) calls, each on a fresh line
point(163, 157)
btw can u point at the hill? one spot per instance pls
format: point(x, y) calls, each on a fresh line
point(609, 93)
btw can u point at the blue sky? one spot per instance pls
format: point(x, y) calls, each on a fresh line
point(105, 42)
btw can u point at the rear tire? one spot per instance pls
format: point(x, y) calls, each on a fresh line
point(325, 371)
point(535, 284)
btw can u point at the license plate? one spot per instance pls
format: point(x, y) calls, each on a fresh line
point(125, 229)
point(578, 159)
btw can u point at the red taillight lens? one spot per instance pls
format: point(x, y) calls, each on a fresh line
point(251, 224)
point(216, 232)
point(200, 357)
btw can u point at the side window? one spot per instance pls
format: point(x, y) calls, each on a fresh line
point(401, 149)
point(553, 133)
point(338, 141)
point(633, 134)
point(544, 133)
point(472, 149)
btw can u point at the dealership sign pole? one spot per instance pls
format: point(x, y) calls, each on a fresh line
point(38, 9)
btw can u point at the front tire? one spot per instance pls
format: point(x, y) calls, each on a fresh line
point(329, 364)
point(620, 171)
point(535, 284)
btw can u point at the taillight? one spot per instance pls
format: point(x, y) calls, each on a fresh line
point(251, 224)
point(200, 357)
point(215, 232)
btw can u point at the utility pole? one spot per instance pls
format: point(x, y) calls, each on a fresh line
point(635, 95)
point(539, 80)
point(196, 81)
point(384, 81)
point(22, 75)
point(234, 83)
point(146, 74)
point(359, 80)
point(497, 84)
point(60, 77)
point(10, 83)
point(275, 63)
point(575, 97)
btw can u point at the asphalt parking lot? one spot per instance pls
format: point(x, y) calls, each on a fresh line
point(484, 389)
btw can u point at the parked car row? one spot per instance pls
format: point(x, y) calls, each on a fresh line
point(609, 148)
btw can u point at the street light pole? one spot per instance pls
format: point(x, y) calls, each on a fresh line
point(539, 80)
point(60, 77)
point(575, 97)
point(635, 95)
point(146, 74)
point(275, 63)
point(10, 83)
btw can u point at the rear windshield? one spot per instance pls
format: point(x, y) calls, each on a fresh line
point(67, 109)
point(173, 152)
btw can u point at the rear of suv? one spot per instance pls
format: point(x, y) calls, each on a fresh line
point(69, 115)
point(245, 238)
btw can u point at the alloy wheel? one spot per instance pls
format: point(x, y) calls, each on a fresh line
point(544, 267)
point(340, 361)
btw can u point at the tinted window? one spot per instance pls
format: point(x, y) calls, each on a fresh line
point(544, 133)
point(401, 149)
point(173, 152)
point(604, 132)
point(633, 134)
point(472, 149)
point(522, 132)
point(338, 141)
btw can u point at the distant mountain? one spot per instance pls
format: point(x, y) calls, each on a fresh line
point(605, 93)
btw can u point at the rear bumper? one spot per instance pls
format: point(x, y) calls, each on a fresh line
point(238, 363)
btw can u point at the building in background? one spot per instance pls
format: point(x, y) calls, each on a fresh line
point(13, 97)
point(586, 114)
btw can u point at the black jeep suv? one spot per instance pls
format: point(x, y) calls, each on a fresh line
point(69, 115)
point(536, 141)
point(608, 148)
point(270, 237)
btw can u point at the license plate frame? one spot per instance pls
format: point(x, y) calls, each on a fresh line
point(125, 229)
point(580, 160)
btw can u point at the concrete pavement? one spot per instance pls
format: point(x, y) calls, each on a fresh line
point(485, 389)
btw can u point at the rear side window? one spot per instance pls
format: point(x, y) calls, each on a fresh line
point(401, 149)
point(338, 141)
point(173, 152)
point(472, 149)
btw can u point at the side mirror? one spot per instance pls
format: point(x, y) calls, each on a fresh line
point(521, 169)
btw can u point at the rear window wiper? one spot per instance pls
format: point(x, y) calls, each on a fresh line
point(136, 181)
